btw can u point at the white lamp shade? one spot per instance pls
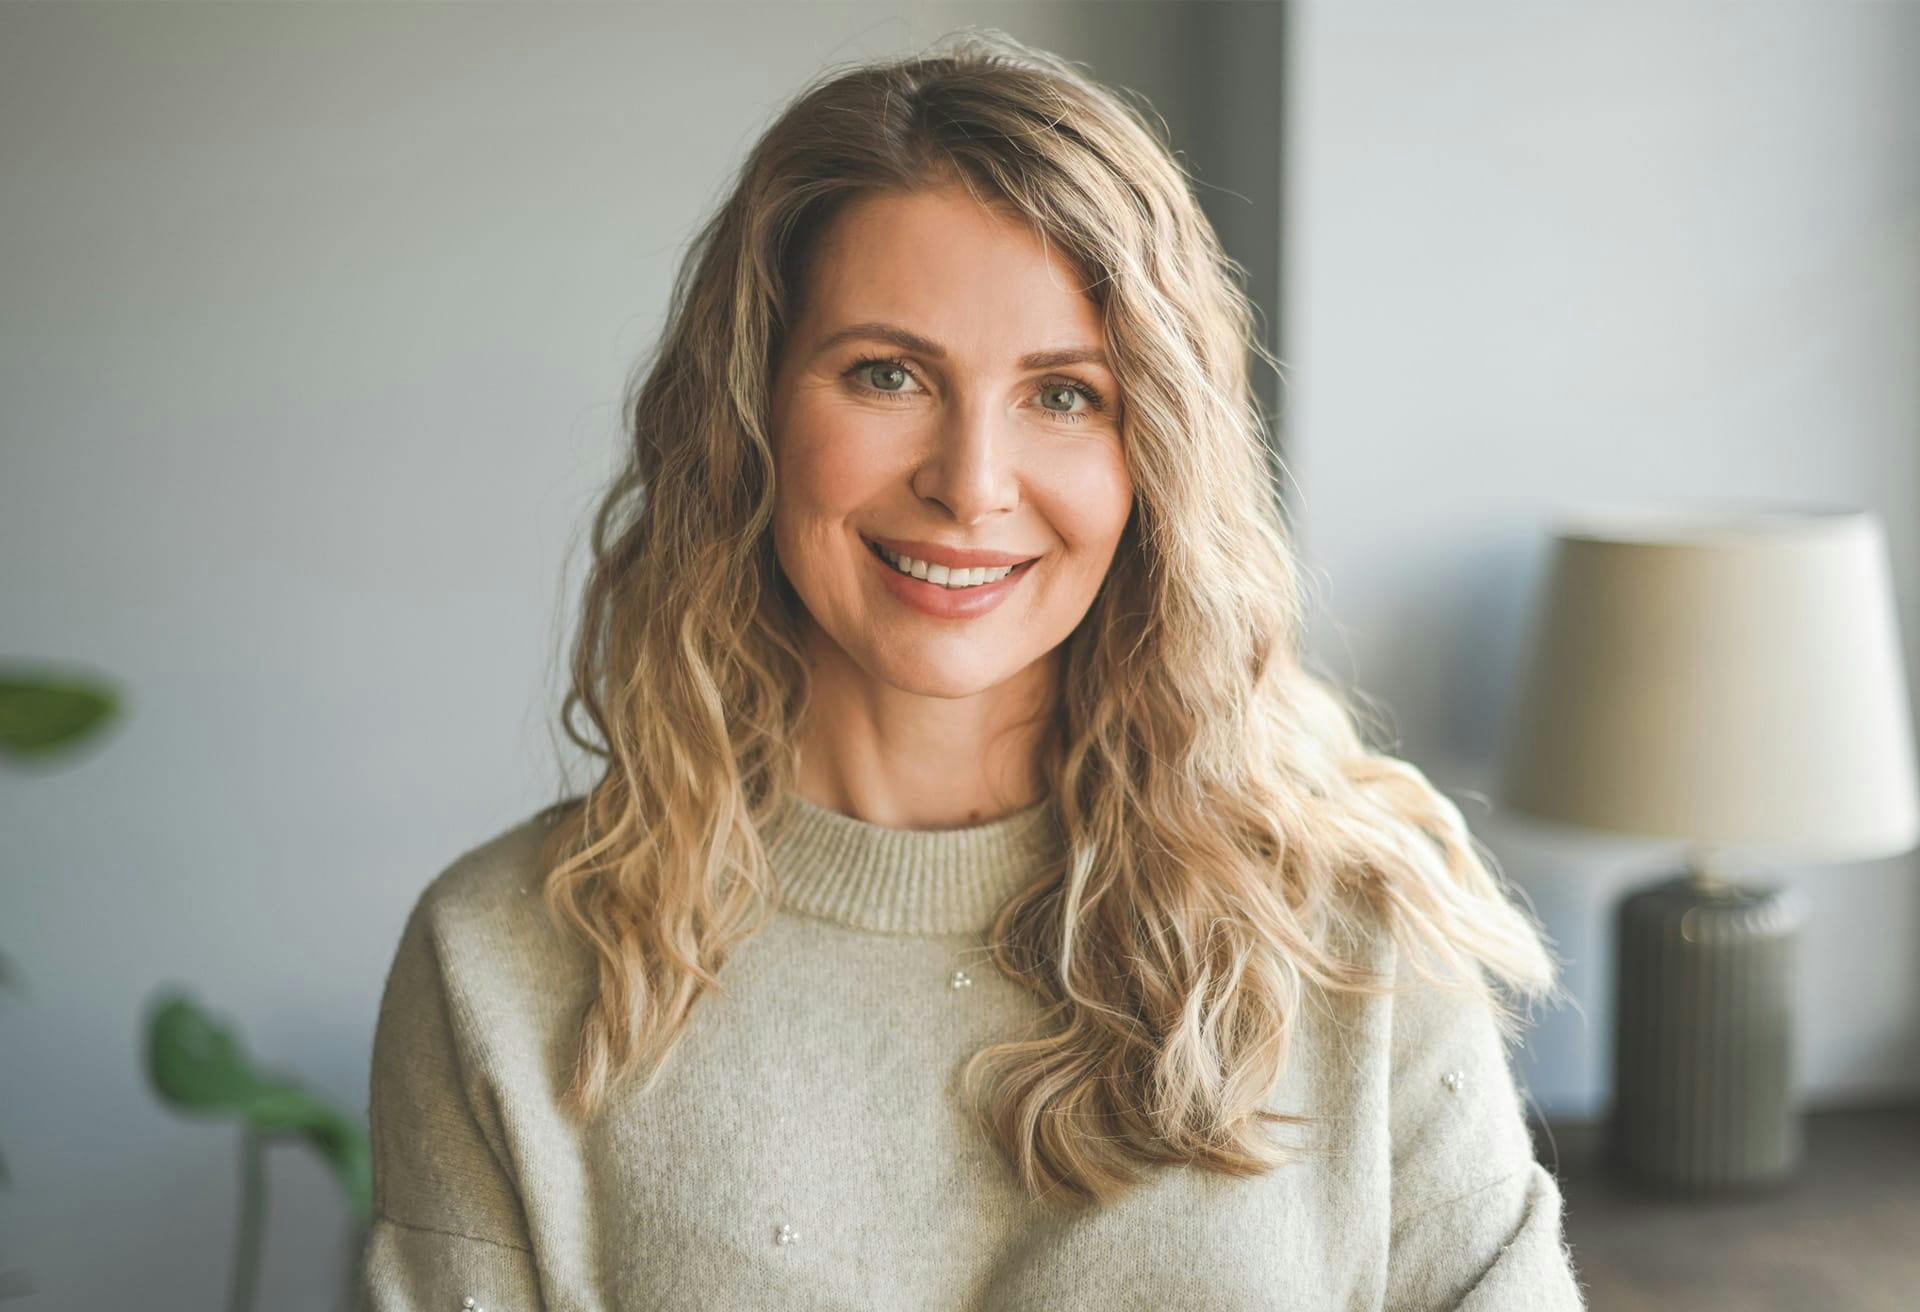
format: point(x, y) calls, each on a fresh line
point(1723, 677)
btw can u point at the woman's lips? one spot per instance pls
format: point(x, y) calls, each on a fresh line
point(952, 557)
point(943, 602)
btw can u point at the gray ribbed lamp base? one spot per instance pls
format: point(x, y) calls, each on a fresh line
point(1704, 1098)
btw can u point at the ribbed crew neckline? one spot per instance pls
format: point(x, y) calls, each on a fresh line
point(906, 881)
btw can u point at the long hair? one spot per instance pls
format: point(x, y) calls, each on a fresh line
point(1226, 826)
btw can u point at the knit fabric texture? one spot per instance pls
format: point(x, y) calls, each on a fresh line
point(806, 1146)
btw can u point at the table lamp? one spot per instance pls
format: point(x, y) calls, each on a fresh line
point(1729, 678)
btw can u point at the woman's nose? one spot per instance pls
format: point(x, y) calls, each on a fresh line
point(971, 467)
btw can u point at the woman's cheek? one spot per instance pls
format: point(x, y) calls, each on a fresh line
point(1088, 496)
point(831, 457)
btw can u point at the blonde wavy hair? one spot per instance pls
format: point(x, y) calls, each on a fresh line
point(1226, 827)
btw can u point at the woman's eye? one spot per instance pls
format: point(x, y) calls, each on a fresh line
point(892, 379)
point(1061, 397)
point(884, 375)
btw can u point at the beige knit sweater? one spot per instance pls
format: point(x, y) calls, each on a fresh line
point(806, 1148)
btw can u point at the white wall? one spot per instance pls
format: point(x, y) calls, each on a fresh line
point(316, 323)
point(1537, 254)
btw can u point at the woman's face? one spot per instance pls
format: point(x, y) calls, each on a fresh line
point(939, 392)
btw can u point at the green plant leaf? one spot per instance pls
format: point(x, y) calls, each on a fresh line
point(197, 1066)
point(41, 714)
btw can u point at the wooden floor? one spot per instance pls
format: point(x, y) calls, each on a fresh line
point(1844, 1236)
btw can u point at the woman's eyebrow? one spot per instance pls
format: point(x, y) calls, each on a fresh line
point(914, 342)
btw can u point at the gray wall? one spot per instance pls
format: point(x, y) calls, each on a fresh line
point(1541, 253)
point(317, 319)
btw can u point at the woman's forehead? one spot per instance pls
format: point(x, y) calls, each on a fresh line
point(941, 265)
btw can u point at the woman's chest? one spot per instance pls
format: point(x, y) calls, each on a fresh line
point(808, 1145)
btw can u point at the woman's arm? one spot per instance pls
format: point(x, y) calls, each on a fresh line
point(1475, 1218)
point(447, 1224)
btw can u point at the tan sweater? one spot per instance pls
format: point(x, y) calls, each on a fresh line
point(806, 1148)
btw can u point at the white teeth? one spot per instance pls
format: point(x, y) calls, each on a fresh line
point(944, 576)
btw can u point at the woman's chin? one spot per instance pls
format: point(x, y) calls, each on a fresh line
point(950, 678)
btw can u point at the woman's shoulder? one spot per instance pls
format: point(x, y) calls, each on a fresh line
point(498, 870)
point(1421, 1017)
point(483, 909)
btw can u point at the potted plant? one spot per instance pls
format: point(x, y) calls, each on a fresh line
point(193, 1063)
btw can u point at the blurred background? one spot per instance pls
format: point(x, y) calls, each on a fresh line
point(316, 323)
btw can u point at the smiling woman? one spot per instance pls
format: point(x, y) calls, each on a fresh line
point(974, 444)
point(980, 905)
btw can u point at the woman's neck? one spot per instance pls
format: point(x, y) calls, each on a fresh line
point(907, 760)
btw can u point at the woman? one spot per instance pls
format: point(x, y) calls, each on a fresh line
point(980, 906)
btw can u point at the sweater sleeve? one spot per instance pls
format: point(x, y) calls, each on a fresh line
point(447, 1220)
point(1475, 1220)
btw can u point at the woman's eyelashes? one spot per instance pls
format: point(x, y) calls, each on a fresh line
point(889, 370)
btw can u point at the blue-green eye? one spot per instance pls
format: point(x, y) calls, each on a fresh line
point(1066, 391)
point(884, 373)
